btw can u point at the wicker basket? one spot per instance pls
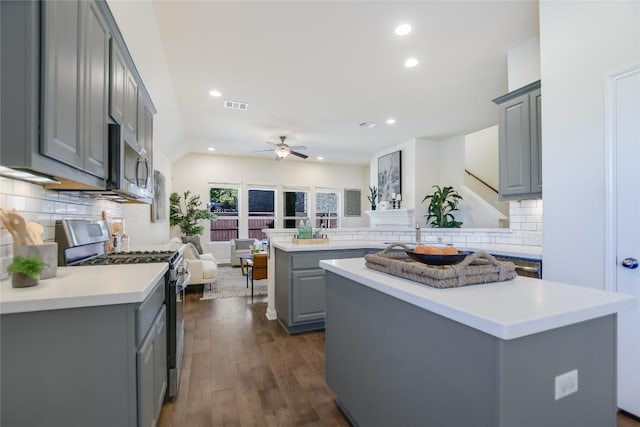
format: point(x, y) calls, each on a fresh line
point(479, 267)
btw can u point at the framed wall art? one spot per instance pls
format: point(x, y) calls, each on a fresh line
point(389, 175)
point(159, 203)
point(352, 202)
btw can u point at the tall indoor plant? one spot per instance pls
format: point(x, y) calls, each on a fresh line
point(442, 202)
point(187, 211)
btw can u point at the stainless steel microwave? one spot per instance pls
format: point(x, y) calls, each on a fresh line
point(129, 173)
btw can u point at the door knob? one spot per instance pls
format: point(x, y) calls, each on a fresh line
point(631, 263)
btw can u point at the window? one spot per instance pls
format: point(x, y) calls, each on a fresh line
point(224, 203)
point(295, 207)
point(262, 212)
point(326, 209)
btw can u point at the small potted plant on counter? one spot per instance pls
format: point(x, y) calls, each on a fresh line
point(373, 196)
point(25, 271)
point(442, 203)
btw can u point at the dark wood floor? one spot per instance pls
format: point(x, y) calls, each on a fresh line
point(241, 369)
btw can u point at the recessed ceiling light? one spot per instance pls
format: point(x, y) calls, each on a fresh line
point(320, 158)
point(391, 121)
point(403, 29)
point(211, 149)
point(411, 62)
point(215, 93)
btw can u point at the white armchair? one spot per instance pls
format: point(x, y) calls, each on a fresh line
point(240, 246)
point(203, 267)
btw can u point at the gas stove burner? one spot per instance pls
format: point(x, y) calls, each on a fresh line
point(135, 257)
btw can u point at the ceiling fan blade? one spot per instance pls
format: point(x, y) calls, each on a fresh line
point(272, 143)
point(295, 153)
point(298, 147)
point(260, 151)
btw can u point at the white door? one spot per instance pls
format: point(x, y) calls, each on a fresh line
point(624, 141)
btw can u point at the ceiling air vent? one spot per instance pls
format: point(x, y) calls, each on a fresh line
point(367, 124)
point(235, 105)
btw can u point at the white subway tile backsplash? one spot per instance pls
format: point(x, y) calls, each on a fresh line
point(529, 226)
point(533, 218)
point(35, 203)
point(516, 218)
point(528, 203)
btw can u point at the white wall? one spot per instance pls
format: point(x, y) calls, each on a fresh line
point(137, 217)
point(195, 171)
point(427, 166)
point(523, 64)
point(481, 154)
point(580, 43)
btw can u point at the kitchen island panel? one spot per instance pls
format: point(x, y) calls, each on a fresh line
point(394, 363)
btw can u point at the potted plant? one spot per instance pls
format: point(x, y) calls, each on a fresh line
point(186, 211)
point(442, 203)
point(25, 271)
point(373, 197)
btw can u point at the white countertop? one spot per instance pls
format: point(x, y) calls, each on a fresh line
point(84, 286)
point(534, 252)
point(507, 310)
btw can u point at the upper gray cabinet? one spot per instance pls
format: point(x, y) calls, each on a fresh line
point(124, 91)
point(520, 144)
point(75, 69)
point(54, 76)
point(145, 132)
point(64, 70)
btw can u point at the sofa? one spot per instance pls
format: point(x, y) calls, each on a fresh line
point(241, 246)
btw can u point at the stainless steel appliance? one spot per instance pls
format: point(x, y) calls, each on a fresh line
point(81, 242)
point(528, 267)
point(129, 172)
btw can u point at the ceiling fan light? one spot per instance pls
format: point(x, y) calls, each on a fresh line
point(282, 152)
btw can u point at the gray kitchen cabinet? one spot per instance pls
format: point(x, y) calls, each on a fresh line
point(59, 85)
point(145, 132)
point(75, 68)
point(85, 366)
point(117, 84)
point(124, 91)
point(94, 106)
point(151, 370)
point(520, 161)
point(308, 290)
point(300, 289)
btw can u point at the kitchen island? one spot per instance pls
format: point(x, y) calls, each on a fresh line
point(401, 353)
point(299, 284)
point(85, 348)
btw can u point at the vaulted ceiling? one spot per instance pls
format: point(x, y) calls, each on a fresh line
point(315, 70)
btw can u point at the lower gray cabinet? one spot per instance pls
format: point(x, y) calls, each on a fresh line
point(151, 371)
point(99, 366)
point(300, 288)
point(308, 295)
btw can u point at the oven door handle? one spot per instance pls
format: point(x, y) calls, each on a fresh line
point(182, 284)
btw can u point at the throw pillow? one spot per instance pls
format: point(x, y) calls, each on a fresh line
point(190, 251)
point(194, 240)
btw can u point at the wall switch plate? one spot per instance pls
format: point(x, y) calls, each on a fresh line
point(566, 384)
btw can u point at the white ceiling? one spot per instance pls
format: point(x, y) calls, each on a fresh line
point(314, 70)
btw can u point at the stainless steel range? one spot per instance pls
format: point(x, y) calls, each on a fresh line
point(82, 242)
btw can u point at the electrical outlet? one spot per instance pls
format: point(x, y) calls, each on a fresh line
point(566, 384)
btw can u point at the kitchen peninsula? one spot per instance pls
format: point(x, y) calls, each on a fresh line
point(401, 353)
point(299, 282)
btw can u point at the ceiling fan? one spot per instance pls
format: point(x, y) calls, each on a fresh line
point(283, 149)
